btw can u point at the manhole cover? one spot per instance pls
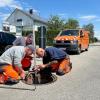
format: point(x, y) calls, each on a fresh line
point(39, 79)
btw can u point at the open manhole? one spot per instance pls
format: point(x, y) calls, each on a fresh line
point(39, 79)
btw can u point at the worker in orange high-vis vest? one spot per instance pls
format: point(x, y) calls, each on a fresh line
point(11, 63)
point(54, 60)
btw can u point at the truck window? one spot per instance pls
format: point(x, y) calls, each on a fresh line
point(70, 33)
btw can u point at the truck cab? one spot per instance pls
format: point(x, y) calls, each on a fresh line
point(72, 40)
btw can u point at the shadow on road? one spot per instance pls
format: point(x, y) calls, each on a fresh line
point(74, 53)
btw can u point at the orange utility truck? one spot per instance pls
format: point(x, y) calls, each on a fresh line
point(72, 40)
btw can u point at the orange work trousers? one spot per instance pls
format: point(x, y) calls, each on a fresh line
point(62, 66)
point(10, 72)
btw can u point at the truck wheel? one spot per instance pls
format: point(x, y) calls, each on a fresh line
point(86, 49)
point(79, 50)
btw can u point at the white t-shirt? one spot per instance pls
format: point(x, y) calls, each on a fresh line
point(13, 56)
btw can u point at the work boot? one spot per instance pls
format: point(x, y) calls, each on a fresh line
point(11, 81)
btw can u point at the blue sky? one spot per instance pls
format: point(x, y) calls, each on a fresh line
point(85, 11)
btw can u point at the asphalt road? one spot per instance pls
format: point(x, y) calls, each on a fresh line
point(82, 83)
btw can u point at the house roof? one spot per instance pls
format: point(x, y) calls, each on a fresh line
point(33, 16)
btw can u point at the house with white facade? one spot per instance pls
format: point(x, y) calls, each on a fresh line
point(20, 20)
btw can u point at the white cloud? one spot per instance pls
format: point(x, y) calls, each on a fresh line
point(64, 15)
point(10, 3)
point(4, 3)
point(16, 4)
point(36, 11)
point(98, 20)
point(27, 7)
point(88, 17)
point(97, 34)
point(3, 16)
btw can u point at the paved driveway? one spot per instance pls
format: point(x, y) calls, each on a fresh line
point(82, 83)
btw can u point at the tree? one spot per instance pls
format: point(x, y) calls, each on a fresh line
point(90, 27)
point(72, 24)
point(96, 39)
point(55, 23)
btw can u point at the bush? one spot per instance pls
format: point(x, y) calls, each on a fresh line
point(95, 39)
point(37, 35)
point(51, 34)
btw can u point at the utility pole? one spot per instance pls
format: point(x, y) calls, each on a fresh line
point(34, 44)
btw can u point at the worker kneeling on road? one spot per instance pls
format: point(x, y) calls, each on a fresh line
point(54, 60)
point(10, 63)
